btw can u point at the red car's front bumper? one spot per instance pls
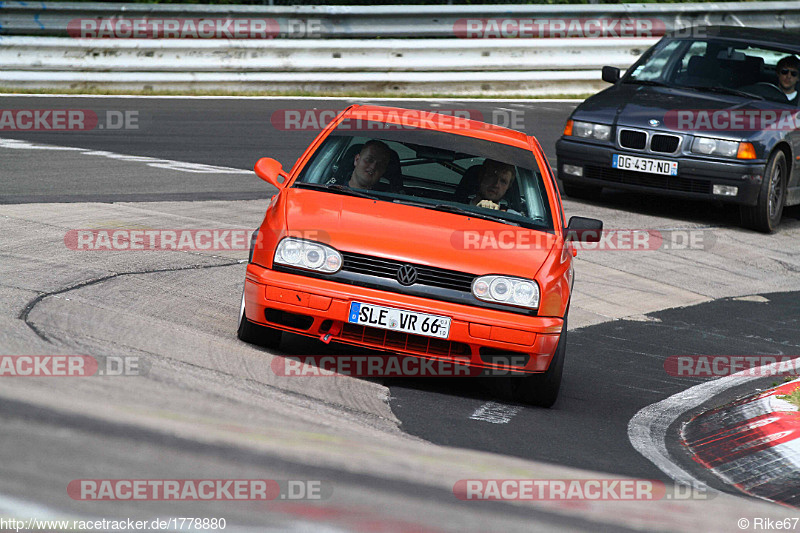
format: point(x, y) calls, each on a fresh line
point(478, 336)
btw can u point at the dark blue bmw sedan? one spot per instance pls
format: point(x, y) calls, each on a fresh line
point(713, 115)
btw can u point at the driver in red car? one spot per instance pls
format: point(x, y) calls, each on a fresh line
point(788, 69)
point(495, 179)
point(370, 164)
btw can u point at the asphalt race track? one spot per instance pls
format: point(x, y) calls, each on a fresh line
point(385, 454)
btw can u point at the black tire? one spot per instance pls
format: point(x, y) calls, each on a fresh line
point(583, 192)
point(256, 333)
point(542, 389)
point(766, 214)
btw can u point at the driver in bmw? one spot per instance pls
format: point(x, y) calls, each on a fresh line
point(788, 69)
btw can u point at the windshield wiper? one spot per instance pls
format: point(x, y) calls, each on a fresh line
point(409, 202)
point(465, 212)
point(724, 90)
point(335, 188)
point(647, 82)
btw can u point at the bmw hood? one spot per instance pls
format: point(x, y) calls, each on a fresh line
point(643, 106)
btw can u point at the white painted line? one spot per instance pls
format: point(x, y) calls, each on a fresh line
point(168, 164)
point(495, 413)
point(322, 98)
point(755, 298)
point(24, 145)
point(647, 430)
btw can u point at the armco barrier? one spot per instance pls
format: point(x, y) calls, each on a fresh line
point(367, 22)
point(392, 66)
point(532, 83)
point(394, 50)
point(395, 55)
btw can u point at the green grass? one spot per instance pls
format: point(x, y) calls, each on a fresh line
point(157, 92)
point(794, 397)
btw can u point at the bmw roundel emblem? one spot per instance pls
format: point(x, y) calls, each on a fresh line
point(407, 275)
point(653, 122)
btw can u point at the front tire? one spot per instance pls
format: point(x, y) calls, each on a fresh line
point(256, 333)
point(766, 214)
point(542, 389)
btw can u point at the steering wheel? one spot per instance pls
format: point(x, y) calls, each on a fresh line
point(770, 85)
point(767, 90)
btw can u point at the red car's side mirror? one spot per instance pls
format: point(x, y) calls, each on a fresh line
point(582, 229)
point(271, 171)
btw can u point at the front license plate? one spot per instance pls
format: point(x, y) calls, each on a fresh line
point(378, 316)
point(645, 164)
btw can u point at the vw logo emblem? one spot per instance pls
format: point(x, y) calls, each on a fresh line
point(407, 275)
point(653, 122)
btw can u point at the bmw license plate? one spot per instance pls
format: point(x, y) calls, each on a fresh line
point(378, 316)
point(645, 164)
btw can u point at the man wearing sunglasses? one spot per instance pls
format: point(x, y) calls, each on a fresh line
point(788, 69)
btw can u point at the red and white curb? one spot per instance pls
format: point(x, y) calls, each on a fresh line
point(752, 444)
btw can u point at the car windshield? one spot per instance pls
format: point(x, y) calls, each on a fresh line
point(712, 65)
point(432, 170)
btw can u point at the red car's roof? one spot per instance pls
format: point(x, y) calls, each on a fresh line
point(430, 120)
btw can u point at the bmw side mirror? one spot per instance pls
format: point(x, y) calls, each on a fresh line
point(611, 74)
point(582, 229)
point(270, 171)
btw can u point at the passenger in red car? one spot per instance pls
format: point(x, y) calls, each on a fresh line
point(495, 179)
point(370, 164)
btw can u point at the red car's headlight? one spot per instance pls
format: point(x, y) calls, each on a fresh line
point(308, 255)
point(507, 290)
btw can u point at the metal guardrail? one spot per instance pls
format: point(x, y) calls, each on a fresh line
point(395, 50)
point(367, 22)
point(393, 66)
point(386, 55)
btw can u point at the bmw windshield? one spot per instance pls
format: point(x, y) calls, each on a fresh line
point(712, 65)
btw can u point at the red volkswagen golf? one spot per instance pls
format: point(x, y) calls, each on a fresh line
point(421, 234)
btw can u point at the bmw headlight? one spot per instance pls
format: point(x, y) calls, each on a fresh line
point(308, 255)
point(709, 146)
point(723, 148)
point(588, 130)
point(507, 290)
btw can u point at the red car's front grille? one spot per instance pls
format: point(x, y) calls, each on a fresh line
point(426, 275)
point(404, 341)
